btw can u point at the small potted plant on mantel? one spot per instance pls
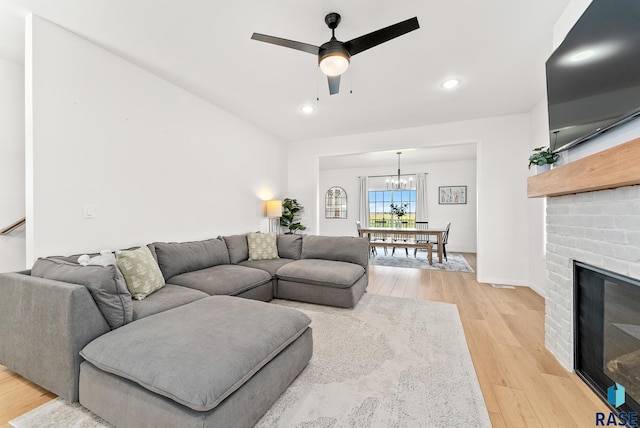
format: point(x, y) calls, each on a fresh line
point(542, 158)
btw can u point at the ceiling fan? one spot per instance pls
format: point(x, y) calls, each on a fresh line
point(334, 55)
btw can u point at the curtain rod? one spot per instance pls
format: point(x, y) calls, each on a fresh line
point(391, 175)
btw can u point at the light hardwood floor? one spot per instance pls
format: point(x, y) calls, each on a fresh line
point(522, 383)
point(18, 396)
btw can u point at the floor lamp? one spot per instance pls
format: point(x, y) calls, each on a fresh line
point(274, 212)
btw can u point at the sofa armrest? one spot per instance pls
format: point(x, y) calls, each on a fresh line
point(43, 326)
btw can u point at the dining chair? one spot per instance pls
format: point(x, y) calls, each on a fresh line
point(380, 237)
point(445, 239)
point(399, 237)
point(421, 239)
point(359, 226)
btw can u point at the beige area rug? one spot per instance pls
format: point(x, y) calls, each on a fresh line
point(390, 362)
point(454, 262)
point(59, 414)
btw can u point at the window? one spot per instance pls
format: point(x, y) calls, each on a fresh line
point(380, 210)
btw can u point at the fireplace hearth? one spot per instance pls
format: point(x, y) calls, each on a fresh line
point(607, 332)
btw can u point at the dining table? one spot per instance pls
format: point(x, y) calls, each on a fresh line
point(409, 242)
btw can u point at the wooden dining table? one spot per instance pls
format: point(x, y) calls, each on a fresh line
point(409, 232)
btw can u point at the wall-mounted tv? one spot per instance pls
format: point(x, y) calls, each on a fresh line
point(593, 77)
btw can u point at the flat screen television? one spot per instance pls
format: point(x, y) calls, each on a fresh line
point(593, 77)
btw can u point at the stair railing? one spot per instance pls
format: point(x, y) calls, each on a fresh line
point(7, 230)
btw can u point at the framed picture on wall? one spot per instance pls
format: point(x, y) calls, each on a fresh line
point(452, 195)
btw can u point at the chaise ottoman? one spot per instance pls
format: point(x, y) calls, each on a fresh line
point(219, 361)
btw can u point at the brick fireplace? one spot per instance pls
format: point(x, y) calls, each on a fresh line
point(600, 228)
point(593, 216)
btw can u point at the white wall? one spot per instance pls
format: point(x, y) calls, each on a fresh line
point(348, 180)
point(539, 138)
point(156, 162)
point(503, 148)
point(12, 246)
point(537, 260)
point(567, 19)
point(462, 217)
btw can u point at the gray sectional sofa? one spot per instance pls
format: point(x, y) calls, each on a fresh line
point(203, 350)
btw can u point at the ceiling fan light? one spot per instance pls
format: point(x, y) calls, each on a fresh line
point(334, 64)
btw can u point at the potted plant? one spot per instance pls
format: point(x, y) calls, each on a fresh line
point(543, 158)
point(290, 218)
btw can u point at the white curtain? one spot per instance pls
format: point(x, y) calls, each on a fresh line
point(363, 202)
point(421, 197)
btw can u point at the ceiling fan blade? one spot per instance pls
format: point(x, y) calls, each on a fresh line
point(304, 47)
point(370, 40)
point(334, 84)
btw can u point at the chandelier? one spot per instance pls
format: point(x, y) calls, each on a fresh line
point(397, 183)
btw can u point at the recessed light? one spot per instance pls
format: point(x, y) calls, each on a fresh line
point(451, 83)
point(582, 55)
point(308, 109)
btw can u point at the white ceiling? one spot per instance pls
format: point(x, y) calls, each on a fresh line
point(409, 156)
point(497, 48)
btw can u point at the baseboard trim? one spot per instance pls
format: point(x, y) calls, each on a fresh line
point(505, 281)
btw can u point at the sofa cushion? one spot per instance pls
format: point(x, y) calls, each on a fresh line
point(262, 246)
point(270, 266)
point(175, 258)
point(69, 259)
point(222, 279)
point(168, 297)
point(339, 248)
point(198, 354)
point(105, 283)
point(322, 272)
point(289, 246)
point(152, 249)
point(141, 272)
point(237, 247)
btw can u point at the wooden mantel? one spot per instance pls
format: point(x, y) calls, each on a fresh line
point(615, 167)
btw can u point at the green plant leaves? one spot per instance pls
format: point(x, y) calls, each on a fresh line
point(542, 156)
point(289, 220)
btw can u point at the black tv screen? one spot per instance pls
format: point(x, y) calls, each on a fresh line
point(593, 77)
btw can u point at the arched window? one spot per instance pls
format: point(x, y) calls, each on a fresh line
point(335, 203)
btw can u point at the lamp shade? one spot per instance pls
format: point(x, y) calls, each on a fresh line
point(333, 58)
point(274, 208)
point(334, 65)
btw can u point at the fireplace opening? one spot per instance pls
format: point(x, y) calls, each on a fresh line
point(607, 332)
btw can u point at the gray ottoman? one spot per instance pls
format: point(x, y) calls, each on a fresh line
point(220, 361)
point(324, 282)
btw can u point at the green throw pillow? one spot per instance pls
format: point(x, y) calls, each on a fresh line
point(262, 246)
point(140, 271)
